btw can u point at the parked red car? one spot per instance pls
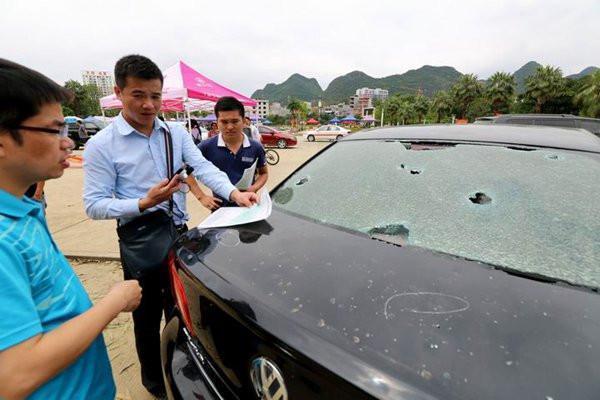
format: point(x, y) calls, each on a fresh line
point(273, 137)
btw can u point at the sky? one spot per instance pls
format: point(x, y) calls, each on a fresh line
point(245, 45)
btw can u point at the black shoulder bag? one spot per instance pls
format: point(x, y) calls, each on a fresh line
point(145, 242)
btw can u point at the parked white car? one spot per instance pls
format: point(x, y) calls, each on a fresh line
point(329, 132)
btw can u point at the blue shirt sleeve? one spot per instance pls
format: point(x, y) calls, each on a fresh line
point(20, 320)
point(204, 170)
point(99, 182)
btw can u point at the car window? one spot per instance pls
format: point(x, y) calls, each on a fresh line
point(323, 128)
point(532, 211)
point(591, 126)
point(519, 121)
point(563, 122)
point(263, 129)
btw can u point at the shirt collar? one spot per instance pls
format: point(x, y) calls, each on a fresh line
point(125, 129)
point(221, 142)
point(17, 207)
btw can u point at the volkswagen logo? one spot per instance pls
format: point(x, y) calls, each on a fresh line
point(267, 380)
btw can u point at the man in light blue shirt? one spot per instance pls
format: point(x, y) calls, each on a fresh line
point(126, 175)
point(51, 344)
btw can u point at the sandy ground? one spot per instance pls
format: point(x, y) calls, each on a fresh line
point(92, 244)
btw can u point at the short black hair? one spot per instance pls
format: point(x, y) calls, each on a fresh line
point(229, 104)
point(23, 92)
point(138, 67)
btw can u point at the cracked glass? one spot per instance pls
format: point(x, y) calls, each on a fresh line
point(532, 210)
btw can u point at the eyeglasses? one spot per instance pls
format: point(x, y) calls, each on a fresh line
point(63, 132)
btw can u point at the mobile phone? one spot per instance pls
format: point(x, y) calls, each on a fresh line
point(184, 172)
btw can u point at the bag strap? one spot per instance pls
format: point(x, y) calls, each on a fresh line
point(169, 155)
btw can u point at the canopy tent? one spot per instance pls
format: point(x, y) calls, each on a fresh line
point(348, 119)
point(209, 118)
point(368, 118)
point(334, 121)
point(181, 85)
point(312, 121)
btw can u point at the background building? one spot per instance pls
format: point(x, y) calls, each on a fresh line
point(261, 108)
point(363, 102)
point(101, 79)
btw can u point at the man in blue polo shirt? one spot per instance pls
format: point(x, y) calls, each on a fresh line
point(51, 344)
point(232, 151)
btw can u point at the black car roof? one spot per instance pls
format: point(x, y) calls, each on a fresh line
point(536, 136)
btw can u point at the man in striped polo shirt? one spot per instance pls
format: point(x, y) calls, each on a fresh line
point(51, 344)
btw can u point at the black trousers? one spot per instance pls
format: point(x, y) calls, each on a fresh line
point(156, 299)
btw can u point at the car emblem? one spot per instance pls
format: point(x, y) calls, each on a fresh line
point(267, 380)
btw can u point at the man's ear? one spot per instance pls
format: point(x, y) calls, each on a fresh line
point(117, 92)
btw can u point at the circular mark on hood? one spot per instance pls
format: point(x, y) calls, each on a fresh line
point(424, 303)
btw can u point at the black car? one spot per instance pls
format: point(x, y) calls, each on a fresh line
point(78, 133)
point(559, 120)
point(430, 262)
point(93, 126)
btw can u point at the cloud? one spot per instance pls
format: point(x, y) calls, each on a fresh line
point(245, 45)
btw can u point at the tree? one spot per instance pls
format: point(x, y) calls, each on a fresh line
point(420, 106)
point(500, 92)
point(297, 110)
point(441, 105)
point(589, 96)
point(86, 99)
point(479, 107)
point(545, 85)
point(464, 92)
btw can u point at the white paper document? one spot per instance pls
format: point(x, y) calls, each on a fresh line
point(247, 178)
point(230, 216)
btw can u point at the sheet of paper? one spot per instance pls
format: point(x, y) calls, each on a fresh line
point(247, 178)
point(230, 216)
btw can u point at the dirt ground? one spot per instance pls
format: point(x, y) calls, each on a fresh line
point(91, 245)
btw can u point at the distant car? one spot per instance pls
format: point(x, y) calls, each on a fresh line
point(77, 133)
point(426, 262)
point(93, 126)
point(273, 137)
point(327, 132)
point(561, 120)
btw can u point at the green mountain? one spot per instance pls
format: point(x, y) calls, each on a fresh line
point(585, 72)
point(428, 78)
point(345, 86)
point(296, 86)
point(523, 73)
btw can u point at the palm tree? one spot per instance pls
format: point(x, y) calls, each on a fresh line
point(546, 84)
point(421, 106)
point(589, 96)
point(295, 107)
point(406, 112)
point(441, 105)
point(464, 92)
point(501, 91)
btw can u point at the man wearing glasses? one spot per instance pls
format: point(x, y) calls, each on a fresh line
point(125, 176)
point(51, 343)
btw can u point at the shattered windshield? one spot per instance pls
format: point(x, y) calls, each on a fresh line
point(532, 210)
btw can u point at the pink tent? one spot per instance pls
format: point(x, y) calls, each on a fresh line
point(183, 83)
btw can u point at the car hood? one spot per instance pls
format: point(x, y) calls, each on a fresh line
point(399, 320)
